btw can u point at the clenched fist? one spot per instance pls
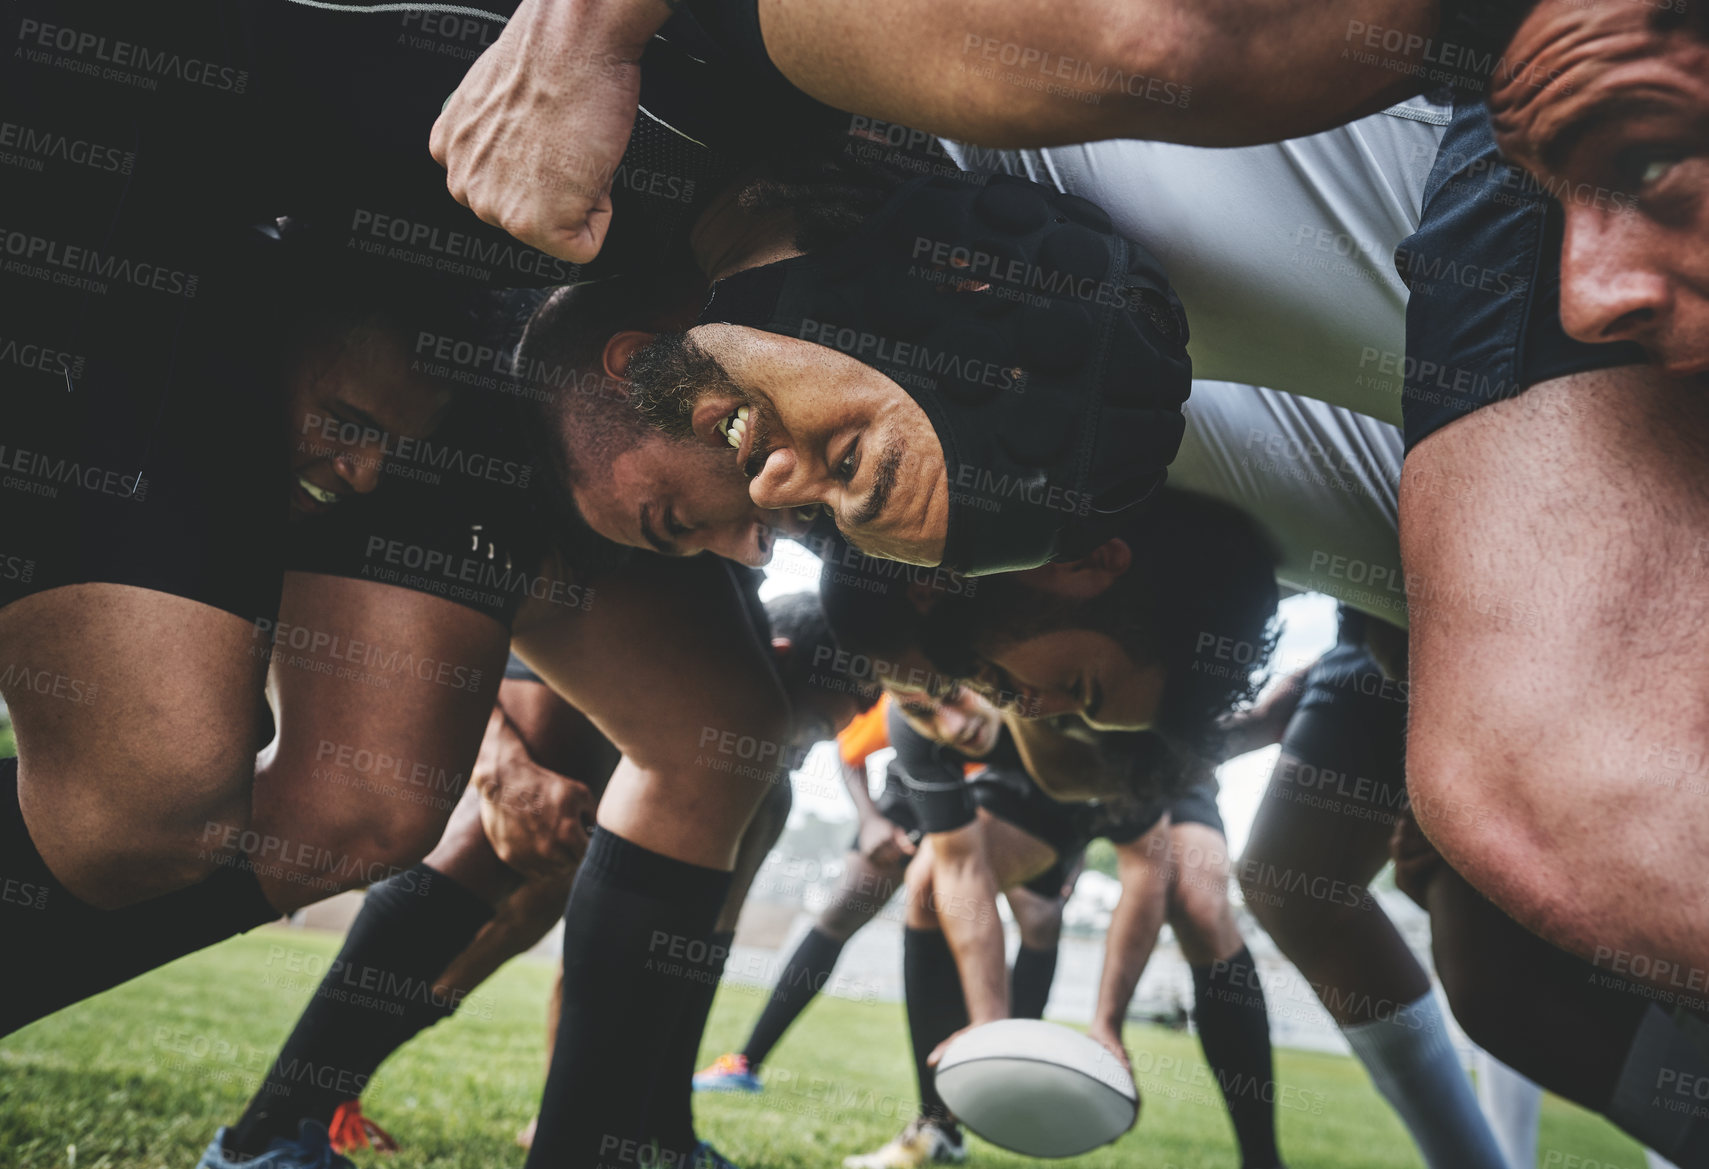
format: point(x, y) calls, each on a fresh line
point(532, 138)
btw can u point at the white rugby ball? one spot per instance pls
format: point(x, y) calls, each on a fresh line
point(1037, 1088)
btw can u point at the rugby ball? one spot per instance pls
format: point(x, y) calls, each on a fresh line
point(1037, 1088)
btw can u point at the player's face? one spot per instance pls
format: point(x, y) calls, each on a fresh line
point(1620, 132)
point(959, 718)
point(679, 499)
point(348, 403)
point(1075, 671)
point(820, 429)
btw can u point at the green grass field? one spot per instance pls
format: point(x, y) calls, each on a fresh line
point(143, 1076)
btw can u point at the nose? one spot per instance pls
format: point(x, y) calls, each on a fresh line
point(784, 481)
point(1611, 288)
point(360, 468)
point(746, 542)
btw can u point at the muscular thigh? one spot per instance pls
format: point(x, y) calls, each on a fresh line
point(1556, 563)
point(1199, 860)
point(382, 695)
point(1296, 832)
point(137, 715)
point(1016, 855)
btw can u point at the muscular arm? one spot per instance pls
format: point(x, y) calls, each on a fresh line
point(535, 132)
point(666, 664)
point(1210, 73)
point(964, 889)
point(1134, 926)
point(1557, 736)
point(1265, 723)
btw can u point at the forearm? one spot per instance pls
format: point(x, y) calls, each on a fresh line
point(854, 778)
point(557, 28)
point(1032, 73)
point(502, 747)
point(1134, 926)
point(966, 893)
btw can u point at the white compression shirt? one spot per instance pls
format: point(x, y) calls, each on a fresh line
point(1282, 254)
point(1323, 481)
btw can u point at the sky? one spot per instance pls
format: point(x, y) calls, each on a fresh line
point(1308, 629)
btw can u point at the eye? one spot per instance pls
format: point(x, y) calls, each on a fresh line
point(844, 471)
point(1655, 170)
point(1643, 168)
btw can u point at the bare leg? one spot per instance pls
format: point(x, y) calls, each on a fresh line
point(146, 736)
point(1350, 951)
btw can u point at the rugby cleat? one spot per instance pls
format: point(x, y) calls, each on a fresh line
point(351, 1130)
point(923, 1142)
point(728, 1073)
point(311, 1150)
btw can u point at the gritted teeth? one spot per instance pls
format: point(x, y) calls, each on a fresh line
point(735, 426)
point(318, 494)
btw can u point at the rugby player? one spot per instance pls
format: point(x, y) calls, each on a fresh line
point(1335, 809)
point(1320, 836)
point(969, 727)
point(160, 592)
point(1481, 330)
point(1006, 826)
point(523, 835)
point(1617, 135)
point(996, 829)
point(424, 572)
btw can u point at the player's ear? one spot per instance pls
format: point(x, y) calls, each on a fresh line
point(620, 348)
point(1089, 576)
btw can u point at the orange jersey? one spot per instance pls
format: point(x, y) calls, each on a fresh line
point(866, 734)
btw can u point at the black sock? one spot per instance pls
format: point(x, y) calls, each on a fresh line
point(1029, 982)
point(676, 1129)
point(634, 949)
point(803, 977)
point(937, 1008)
point(78, 950)
point(376, 995)
point(1234, 1030)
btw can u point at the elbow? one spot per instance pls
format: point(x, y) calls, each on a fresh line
point(1502, 823)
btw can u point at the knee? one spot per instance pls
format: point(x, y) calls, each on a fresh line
point(163, 820)
point(1041, 931)
point(1493, 826)
point(845, 915)
point(324, 852)
point(922, 912)
point(1202, 920)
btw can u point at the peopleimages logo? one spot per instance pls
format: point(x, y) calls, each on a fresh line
point(50, 144)
point(157, 63)
point(70, 264)
point(871, 347)
point(450, 246)
point(988, 490)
